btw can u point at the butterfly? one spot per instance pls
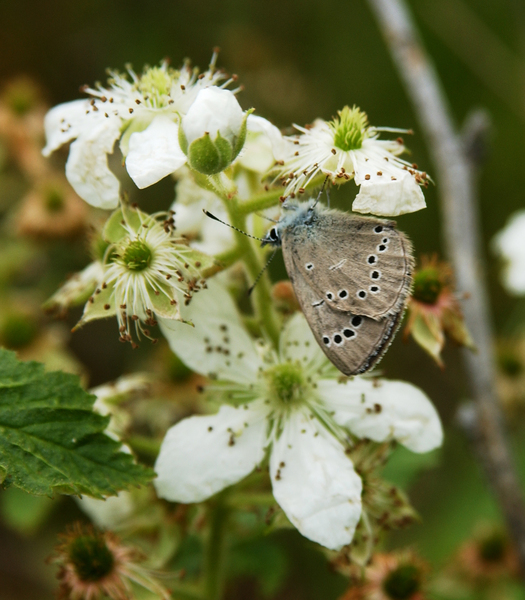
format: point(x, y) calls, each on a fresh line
point(352, 276)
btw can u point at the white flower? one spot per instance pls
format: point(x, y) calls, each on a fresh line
point(264, 146)
point(148, 273)
point(215, 112)
point(290, 405)
point(509, 243)
point(143, 113)
point(348, 148)
point(213, 131)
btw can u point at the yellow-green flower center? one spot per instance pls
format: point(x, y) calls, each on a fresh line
point(157, 81)
point(91, 557)
point(428, 285)
point(137, 256)
point(350, 128)
point(286, 384)
point(402, 583)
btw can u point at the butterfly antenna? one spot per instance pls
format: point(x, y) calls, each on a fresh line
point(262, 271)
point(208, 214)
point(321, 193)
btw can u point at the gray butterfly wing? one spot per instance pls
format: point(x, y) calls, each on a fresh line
point(356, 264)
point(352, 343)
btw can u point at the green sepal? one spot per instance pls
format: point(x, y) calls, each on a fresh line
point(94, 308)
point(51, 440)
point(183, 140)
point(192, 256)
point(114, 228)
point(225, 150)
point(162, 306)
point(428, 334)
point(53, 303)
point(204, 156)
point(241, 138)
point(456, 329)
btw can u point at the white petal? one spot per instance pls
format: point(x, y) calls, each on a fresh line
point(509, 243)
point(387, 189)
point(87, 166)
point(218, 345)
point(64, 123)
point(391, 198)
point(202, 455)
point(315, 484)
point(214, 110)
point(383, 410)
point(110, 512)
point(297, 343)
point(264, 145)
point(155, 152)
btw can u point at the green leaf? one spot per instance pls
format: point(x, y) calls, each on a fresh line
point(51, 440)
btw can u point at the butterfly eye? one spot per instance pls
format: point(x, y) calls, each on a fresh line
point(273, 234)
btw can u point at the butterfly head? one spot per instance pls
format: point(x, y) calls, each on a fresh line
point(297, 214)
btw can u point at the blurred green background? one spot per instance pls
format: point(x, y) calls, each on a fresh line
point(298, 60)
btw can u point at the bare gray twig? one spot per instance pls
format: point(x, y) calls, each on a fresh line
point(461, 227)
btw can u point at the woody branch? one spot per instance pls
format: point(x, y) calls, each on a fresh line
point(461, 237)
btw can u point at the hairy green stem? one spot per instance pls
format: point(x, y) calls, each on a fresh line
point(262, 300)
point(260, 201)
point(214, 552)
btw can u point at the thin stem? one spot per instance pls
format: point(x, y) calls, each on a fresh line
point(214, 552)
point(263, 304)
point(260, 201)
point(461, 227)
point(272, 196)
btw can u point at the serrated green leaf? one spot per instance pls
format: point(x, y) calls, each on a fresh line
point(51, 440)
